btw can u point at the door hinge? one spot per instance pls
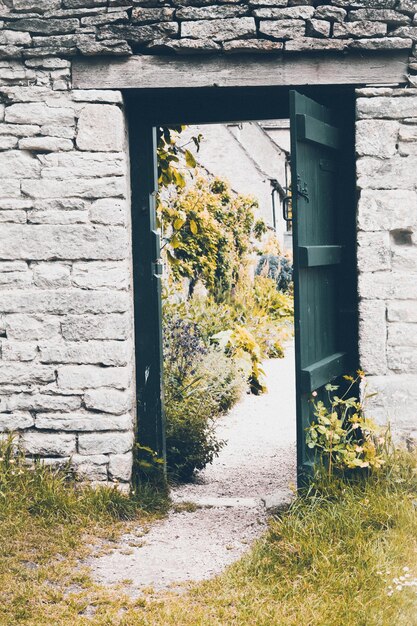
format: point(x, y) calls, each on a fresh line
point(302, 190)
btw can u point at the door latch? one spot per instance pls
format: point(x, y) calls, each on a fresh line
point(302, 190)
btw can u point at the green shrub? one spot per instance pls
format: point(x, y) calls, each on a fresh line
point(346, 439)
point(201, 383)
point(277, 267)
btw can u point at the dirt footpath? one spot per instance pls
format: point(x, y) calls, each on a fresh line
point(257, 462)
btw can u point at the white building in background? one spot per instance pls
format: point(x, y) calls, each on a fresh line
point(254, 158)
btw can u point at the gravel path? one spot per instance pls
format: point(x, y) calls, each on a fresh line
point(257, 462)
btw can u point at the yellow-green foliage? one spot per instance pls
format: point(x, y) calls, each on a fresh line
point(346, 438)
point(207, 231)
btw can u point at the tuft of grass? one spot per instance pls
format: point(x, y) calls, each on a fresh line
point(331, 559)
point(48, 522)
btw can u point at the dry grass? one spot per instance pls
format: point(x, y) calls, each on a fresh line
point(329, 561)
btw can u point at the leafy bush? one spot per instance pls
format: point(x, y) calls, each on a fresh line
point(207, 234)
point(277, 267)
point(201, 383)
point(346, 438)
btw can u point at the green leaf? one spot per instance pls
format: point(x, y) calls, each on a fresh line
point(189, 159)
point(193, 227)
point(179, 223)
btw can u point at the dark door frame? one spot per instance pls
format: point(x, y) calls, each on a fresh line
point(148, 108)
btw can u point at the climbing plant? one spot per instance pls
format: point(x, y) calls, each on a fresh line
point(172, 156)
point(208, 232)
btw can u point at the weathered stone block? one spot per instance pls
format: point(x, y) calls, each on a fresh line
point(138, 34)
point(327, 12)
point(106, 18)
point(253, 45)
point(109, 211)
point(48, 444)
point(386, 107)
point(25, 373)
point(393, 18)
point(8, 143)
point(18, 164)
point(91, 376)
point(39, 113)
point(9, 188)
point(64, 301)
point(29, 327)
point(57, 217)
point(45, 144)
point(402, 311)
point(62, 242)
point(359, 29)
point(395, 399)
point(377, 138)
point(14, 279)
point(305, 44)
point(16, 217)
point(10, 422)
point(100, 275)
point(19, 351)
point(101, 128)
point(45, 26)
point(318, 28)
point(73, 164)
point(387, 286)
point(289, 13)
point(105, 443)
point(220, 29)
point(86, 327)
point(402, 359)
point(402, 334)
point(92, 467)
point(55, 130)
point(404, 258)
point(373, 251)
point(97, 95)
point(75, 187)
point(395, 173)
point(19, 130)
point(96, 352)
point(384, 209)
point(408, 133)
point(108, 401)
point(283, 29)
point(202, 13)
point(382, 43)
point(372, 336)
point(13, 38)
point(83, 422)
point(51, 275)
point(120, 466)
point(39, 402)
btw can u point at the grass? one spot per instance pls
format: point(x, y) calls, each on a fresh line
point(329, 561)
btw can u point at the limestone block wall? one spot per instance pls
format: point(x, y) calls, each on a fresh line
point(386, 145)
point(34, 28)
point(66, 367)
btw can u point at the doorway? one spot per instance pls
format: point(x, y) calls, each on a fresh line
point(324, 234)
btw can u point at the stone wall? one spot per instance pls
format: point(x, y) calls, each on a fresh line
point(39, 28)
point(66, 365)
point(386, 146)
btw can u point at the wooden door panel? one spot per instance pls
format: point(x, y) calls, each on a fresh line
point(316, 172)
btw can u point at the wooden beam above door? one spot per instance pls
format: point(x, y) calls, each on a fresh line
point(163, 72)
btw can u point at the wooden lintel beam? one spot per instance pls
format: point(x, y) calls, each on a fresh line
point(163, 72)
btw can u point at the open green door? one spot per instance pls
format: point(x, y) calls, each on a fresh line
point(147, 276)
point(324, 256)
